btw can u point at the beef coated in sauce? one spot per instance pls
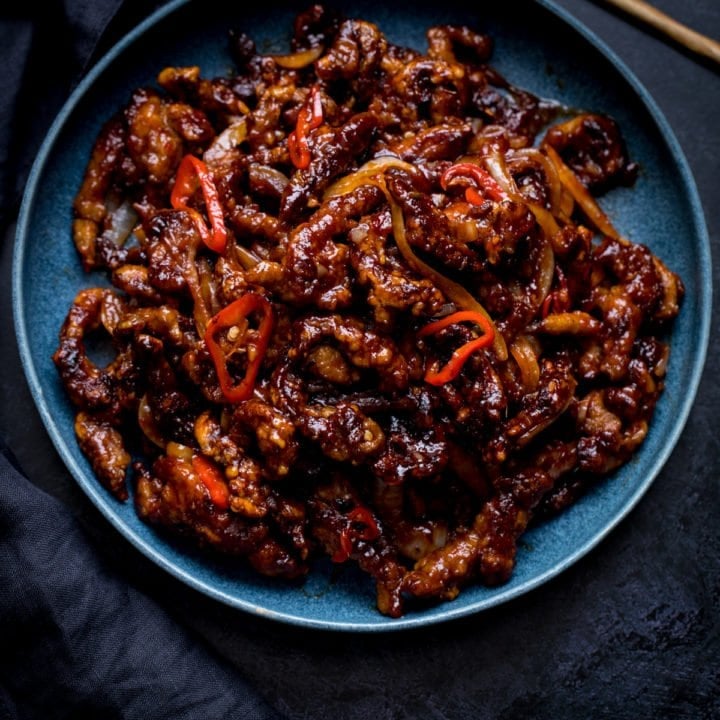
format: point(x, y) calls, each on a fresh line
point(328, 166)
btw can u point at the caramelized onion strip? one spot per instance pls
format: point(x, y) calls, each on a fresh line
point(298, 60)
point(546, 272)
point(561, 202)
point(584, 199)
point(371, 173)
point(526, 356)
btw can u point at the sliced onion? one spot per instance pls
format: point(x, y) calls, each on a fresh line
point(120, 222)
point(232, 136)
point(147, 423)
point(583, 198)
point(298, 60)
point(368, 174)
point(561, 202)
point(525, 355)
point(546, 271)
point(264, 177)
point(496, 166)
point(245, 257)
point(208, 286)
point(201, 312)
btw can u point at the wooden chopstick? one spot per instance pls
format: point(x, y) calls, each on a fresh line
point(682, 34)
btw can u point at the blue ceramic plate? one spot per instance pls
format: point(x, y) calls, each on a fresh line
point(538, 47)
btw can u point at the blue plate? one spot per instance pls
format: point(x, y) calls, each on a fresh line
point(538, 47)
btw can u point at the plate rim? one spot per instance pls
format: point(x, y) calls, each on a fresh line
point(97, 494)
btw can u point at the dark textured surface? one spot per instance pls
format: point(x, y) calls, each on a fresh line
point(85, 638)
point(631, 631)
point(48, 275)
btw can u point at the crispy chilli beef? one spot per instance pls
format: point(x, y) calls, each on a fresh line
point(363, 305)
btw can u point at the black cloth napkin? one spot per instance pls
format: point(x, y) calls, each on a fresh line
point(78, 642)
point(46, 46)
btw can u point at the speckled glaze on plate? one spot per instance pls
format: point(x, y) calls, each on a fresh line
point(538, 47)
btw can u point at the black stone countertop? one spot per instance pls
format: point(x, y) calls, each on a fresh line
point(630, 631)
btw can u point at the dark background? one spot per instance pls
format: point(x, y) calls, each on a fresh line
point(630, 631)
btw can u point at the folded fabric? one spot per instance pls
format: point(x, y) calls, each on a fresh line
point(78, 642)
